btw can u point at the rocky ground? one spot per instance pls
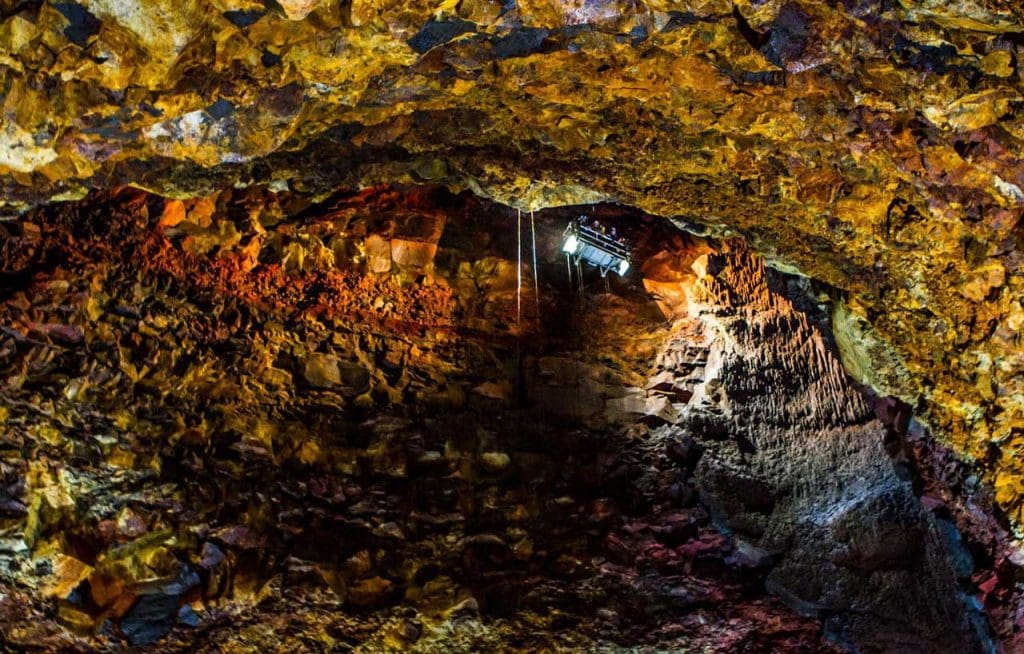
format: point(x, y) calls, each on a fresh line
point(253, 422)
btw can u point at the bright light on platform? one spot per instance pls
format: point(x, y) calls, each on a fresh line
point(570, 245)
point(623, 267)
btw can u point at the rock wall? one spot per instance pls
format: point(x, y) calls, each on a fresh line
point(870, 144)
point(245, 422)
point(798, 471)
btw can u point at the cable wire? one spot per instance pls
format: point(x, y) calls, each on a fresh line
point(536, 279)
point(519, 268)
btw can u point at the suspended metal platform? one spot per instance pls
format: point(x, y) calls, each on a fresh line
point(599, 250)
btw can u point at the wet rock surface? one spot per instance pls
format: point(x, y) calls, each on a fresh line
point(228, 426)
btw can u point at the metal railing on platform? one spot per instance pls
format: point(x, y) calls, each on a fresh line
point(603, 241)
point(596, 248)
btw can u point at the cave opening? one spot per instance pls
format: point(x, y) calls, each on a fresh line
point(348, 419)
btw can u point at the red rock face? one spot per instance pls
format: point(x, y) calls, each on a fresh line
point(246, 421)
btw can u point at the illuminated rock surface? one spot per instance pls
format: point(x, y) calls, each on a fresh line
point(872, 146)
point(232, 433)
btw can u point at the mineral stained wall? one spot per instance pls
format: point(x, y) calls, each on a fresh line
point(257, 422)
point(870, 144)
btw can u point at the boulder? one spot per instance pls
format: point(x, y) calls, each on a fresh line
point(378, 253)
point(370, 592)
point(416, 255)
point(66, 574)
point(495, 460)
point(322, 370)
point(327, 371)
point(173, 213)
point(156, 611)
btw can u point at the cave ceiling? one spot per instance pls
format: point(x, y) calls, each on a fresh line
point(873, 145)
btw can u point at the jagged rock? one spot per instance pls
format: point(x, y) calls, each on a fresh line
point(871, 145)
point(495, 460)
point(660, 407)
point(378, 253)
point(328, 371)
point(415, 255)
point(211, 556)
point(156, 611)
point(369, 592)
point(681, 450)
point(749, 479)
point(298, 9)
point(66, 574)
point(626, 408)
point(322, 371)
point(349, 490)
point(494, 390)
point(465, 608)
point(173, 213)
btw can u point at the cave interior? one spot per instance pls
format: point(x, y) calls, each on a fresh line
point(526, 326)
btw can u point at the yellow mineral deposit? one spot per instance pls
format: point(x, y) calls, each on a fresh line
point(283, 366)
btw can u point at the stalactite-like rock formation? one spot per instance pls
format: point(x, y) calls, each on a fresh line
point(853, 545)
